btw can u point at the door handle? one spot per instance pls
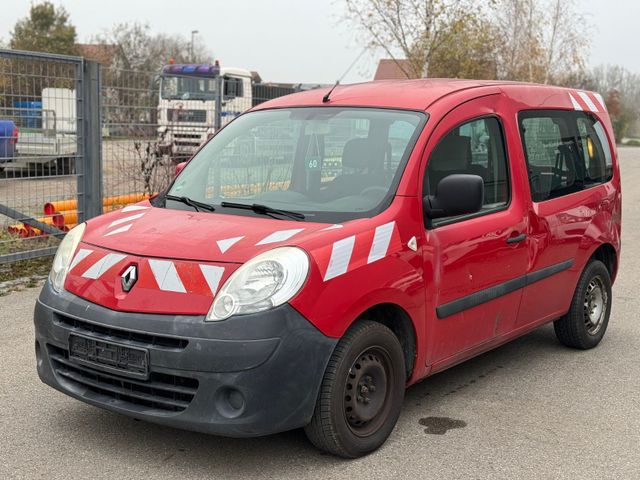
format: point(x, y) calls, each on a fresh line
point(517, 239)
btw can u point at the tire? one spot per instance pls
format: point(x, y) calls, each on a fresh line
point(368, 359)
point(586, 322)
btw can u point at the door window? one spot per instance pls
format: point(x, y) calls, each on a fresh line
point(477, 148)
point(566, 152)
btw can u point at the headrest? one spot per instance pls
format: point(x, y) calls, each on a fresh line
point(453, 153)
point(362, 153)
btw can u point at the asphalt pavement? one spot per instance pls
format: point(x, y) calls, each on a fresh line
point(530, 409)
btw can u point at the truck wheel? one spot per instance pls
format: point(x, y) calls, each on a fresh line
point(586, 322)
point(361, 393)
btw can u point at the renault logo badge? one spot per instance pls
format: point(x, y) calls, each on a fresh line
point(129, 278)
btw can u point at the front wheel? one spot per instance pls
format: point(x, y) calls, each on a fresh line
point(586, 322)
point(361, 394)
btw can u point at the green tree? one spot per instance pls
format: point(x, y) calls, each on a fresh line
point(468, 50)
point(45, 29)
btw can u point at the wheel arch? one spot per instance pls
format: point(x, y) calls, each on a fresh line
point(398, 320)
point(606, 253)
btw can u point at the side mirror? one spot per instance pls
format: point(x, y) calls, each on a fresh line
point(456, 194)
point(180, 167)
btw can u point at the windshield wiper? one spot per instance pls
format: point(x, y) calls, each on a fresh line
point(190, 202)
point(264, 210)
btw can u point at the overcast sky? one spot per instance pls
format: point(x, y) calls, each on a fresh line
point(300, 40)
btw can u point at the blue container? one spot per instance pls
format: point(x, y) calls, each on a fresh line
point(7, 141)
point(29, 113)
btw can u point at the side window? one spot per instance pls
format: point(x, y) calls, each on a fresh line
point(566, 152)
point(475, 148)
point(233, 87)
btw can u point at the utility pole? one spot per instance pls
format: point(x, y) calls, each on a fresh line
point(191, 47)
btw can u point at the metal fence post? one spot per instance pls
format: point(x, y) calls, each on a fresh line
point(90, 173)
point(217, 122)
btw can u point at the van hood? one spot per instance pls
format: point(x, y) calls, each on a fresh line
point(148, 231)
point(155, 260)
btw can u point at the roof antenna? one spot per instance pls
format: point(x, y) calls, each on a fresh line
point(325, 99)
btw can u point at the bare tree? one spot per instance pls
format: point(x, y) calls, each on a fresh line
point(409, 29)
point(565, 41)
point(541, 41)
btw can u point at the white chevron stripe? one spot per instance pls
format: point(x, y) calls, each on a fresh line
point(118, 230)
point(101, 266)
point(340, 257)
point(80, 255)
point(279, 236)
point(227, 243)
point(600, 101)
point(166, 276)
point(130, 218)
point(381, 241)
point(133, 208)
point(588, 101)
point(576, 105)
point(212, 275)
point(331, 227)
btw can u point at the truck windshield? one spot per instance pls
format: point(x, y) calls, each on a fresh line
point(187, 88)
point(331, 164)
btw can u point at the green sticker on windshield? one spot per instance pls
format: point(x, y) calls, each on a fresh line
point(314, 163)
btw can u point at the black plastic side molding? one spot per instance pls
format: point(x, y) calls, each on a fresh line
point(491, 293)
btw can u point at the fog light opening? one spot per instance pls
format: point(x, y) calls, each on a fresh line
point(38, 354)
point(230, 402)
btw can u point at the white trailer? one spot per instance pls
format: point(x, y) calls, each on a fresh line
point(55, 144)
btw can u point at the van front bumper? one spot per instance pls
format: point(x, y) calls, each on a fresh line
point(249, 375)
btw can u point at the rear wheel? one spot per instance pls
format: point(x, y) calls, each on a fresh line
point(586, 322)
point(361, 394)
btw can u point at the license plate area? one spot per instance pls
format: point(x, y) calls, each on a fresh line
point(109, 356)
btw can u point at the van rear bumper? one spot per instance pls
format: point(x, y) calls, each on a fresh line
point(247, 376)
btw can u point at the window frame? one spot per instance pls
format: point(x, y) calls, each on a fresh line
point(573, 115)
point(432, 224)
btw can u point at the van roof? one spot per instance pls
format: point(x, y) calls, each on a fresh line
point(403, 94)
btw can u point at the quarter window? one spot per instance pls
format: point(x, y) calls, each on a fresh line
point(566, 152)
point(475, 148)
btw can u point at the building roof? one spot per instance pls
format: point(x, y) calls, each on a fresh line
point(391, 69)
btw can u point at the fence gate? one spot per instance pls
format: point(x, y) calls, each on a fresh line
point(50, 157)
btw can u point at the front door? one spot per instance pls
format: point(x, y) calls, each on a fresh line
point(474, 264)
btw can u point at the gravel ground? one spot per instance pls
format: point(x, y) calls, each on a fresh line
point(530, 409)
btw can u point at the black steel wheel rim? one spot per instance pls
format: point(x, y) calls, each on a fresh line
point(367, 391)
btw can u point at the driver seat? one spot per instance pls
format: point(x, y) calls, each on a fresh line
point(367, 159)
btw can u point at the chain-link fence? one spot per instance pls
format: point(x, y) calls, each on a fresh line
point(42, 150)
point(77, 139)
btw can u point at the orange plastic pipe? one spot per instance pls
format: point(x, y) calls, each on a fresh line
point(51, 208)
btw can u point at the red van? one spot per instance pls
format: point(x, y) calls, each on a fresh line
point(330, 248)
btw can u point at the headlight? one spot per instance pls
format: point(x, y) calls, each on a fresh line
point(264, 282)
point(63, 257)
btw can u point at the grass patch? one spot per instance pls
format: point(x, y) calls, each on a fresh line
point(34, 267)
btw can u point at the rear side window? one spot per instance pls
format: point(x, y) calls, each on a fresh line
point(566, 152)
point(476, 148)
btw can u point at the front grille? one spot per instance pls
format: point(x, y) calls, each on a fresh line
point(166, 393)
point(109, 333)
point(182, 115)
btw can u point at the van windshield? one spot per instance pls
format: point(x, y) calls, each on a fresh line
point(331, 164)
